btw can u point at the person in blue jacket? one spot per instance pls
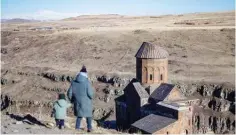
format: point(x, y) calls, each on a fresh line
point(60, 109)
point(80, 94)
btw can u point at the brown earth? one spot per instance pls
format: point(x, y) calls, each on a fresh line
point(39, 59)
point(200, 51)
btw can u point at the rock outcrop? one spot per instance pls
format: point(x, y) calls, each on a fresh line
point(215, 99)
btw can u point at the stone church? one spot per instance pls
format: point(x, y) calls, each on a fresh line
point(150, 104)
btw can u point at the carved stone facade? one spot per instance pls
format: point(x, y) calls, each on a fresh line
point(150, 100)
point(150, 71)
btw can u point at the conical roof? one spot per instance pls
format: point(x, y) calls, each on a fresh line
point(148, 50)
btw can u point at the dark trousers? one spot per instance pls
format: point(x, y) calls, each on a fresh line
point(60, 123)
point(88, 120)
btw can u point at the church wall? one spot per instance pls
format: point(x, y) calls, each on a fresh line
point(133, 102)
point(170, 129)
point(153, 70)
point(175, 94)
point(182, 125)
point(139, 69)
point(121, 115)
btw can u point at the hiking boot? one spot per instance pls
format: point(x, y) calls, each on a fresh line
point(62, 127)
point(89, 130)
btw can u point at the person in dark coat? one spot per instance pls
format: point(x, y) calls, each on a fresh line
point(80, 94)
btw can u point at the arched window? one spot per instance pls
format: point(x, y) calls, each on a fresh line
point(150, 73)
point(144, 75)
point(167, 132)
point(186, 131)
point(150, 76)
point(162, 71)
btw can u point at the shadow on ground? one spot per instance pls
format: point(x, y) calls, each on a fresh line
point(29, 119)
point(109, 124)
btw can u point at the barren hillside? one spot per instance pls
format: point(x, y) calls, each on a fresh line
point(41, 58)
point(206, 42)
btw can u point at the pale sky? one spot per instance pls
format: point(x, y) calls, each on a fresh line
point(59, 9)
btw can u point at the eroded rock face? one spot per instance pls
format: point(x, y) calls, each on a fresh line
point(219, 105)
point(187, 89)
point(38, 108)
point(222, 91)
point(113, 91)
point(101, 113)
point(57, 77)
point(110, 79)
point(213, 114)
point(215, 98)
point(114, 80)
point(216, 122)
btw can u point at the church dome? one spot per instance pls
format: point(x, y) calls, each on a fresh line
point(151, 51)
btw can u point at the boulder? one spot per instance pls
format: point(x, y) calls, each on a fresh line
point(107, 98)
point(108, 90)
point(50, 124)
point(119, 92)
point(3, 81)
point(67, 125)
point(99, 113)
point(18, 122)
point(15, 131)
point(4, 50)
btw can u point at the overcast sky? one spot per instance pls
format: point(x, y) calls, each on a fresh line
point(58, 9)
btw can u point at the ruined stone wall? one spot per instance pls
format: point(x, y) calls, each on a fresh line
point(218, 122)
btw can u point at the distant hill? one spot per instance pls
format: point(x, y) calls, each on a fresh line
point(101, 16)
point(18, 20)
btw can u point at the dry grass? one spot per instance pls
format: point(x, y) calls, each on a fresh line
point(107, 44)
point(206, 52)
